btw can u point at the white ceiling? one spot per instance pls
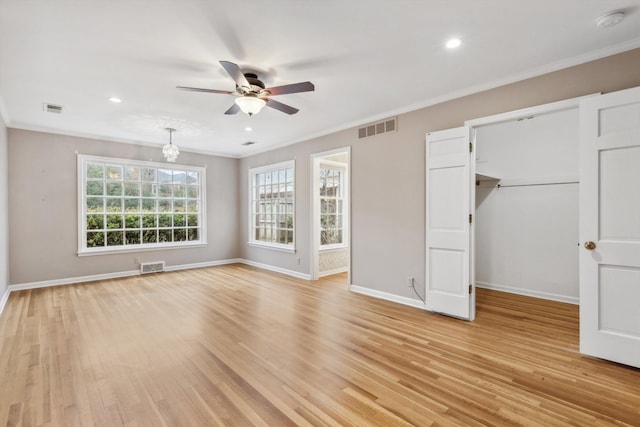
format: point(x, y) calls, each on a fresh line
point(369, 59)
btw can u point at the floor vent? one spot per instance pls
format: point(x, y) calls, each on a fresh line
point(387, 125)
point(51, 108)
point(151, 267)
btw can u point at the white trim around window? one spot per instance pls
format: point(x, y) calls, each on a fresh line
point(272, 206)
point(129, 206)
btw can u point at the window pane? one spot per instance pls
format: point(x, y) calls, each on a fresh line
point(179, 177)
point(148, 205)
point(95, 222)
point(132, 173)
point(132, 237)
point(95, 204)
point(132, 221)
point(95, 188)
point(179, 235)
point(165, 175)
point(132, 189)
point(192, 178)
point(164, 190)
point(165, 236)
point(192, 206)
point(114, 205)
point(179, 220)
point(149, 221)
point(179, 205)
point(150, 236)
point(193, 192)
point(149, 190)
point(193, 234)
point(164, 220)
point(132, 205)
point(179, 191)
point(114, 221)
point(114, 172)
point(164, 205)
point(95, 239)
point(192, 220)
point(148, 174)
point(114, 188)
point(95, 170)
point(115, 238)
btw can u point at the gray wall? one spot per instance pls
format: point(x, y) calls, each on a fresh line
point(43, 209)
point(387, 173)
point(4, 210)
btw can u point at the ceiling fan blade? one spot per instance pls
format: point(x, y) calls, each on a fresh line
point(281, 107)
point(233, 109)
point(197, 89)
point(235, 73)
point(292, 88)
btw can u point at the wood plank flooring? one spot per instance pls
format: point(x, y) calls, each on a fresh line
point(235, 345)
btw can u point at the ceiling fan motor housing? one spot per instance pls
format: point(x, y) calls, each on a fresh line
point(255, 85)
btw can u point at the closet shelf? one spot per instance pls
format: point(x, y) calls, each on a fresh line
point(485, 177)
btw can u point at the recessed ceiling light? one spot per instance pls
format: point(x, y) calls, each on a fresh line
point(610, 19)
point(115, 99)
point(453, 43)
point(248, 129)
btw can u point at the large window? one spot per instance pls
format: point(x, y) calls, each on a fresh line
point(272, 205)
point(333, 220)
point(132, 205)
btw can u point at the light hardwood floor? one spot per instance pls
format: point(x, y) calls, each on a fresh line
point(235, 345)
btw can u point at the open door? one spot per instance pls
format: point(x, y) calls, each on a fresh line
point(610, 226)
point(449, 175)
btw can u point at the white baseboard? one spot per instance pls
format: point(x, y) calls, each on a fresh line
point(203, 264)
point(116, 275)
point(529, 293)
point(387, 296)
point(4, 300)
point(296, 274)
point(334, 271)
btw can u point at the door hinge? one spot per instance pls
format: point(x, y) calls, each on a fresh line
point(471, 147)
point(470, 289)
point(470, 218)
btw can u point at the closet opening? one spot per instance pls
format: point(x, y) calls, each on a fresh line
point(525, 227)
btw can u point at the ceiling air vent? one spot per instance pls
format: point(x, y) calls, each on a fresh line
point(388, 125)
point(52, 108)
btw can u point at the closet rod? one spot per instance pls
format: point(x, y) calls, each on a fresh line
point(541, 183)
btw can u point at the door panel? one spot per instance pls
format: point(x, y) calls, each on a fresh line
point(610, 218)
point(448, 182)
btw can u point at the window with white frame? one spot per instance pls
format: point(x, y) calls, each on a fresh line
point(332, 205)
point(127, 205)
point(272, 216)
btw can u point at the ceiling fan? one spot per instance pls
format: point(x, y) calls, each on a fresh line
point(251, 95)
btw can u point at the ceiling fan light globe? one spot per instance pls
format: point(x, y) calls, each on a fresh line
point(250, 104)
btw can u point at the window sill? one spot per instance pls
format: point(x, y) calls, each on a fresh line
point(129, 249)
point(275, 247)
point(332, 248)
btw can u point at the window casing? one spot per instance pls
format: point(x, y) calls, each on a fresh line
point(272, 213)
point(333, 221)
point(128, 205)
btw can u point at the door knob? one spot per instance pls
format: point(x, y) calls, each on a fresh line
point(590, 245)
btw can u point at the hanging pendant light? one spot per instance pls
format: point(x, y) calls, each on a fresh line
point(170, 151)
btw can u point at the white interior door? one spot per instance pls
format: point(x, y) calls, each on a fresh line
point(610, 226)
point(448, 200)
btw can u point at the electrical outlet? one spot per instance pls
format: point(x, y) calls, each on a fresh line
point(410, 281)
point(298, 260)
point(136, 260)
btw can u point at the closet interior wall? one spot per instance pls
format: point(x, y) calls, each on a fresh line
point(526, 223)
